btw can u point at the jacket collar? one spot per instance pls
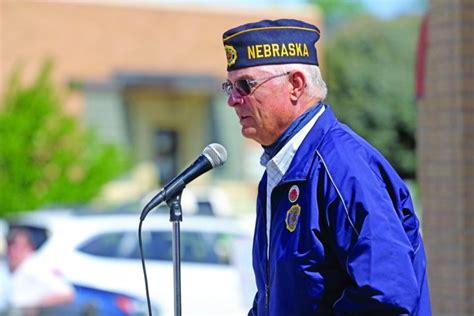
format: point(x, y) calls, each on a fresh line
point(306, 152)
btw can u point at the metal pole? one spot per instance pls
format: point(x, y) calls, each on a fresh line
point(177, 268)
point(176, 216)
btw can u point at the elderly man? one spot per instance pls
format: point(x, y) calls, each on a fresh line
point(336, 233)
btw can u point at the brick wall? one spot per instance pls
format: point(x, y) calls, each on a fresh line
point(446, 156)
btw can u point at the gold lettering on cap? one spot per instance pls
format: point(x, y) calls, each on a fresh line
point(251, 52)
point(305, 50)
point(267, 52)
point(284, 51)
point(258, 50)
point(299, 52)
point(291, 48)
point(277, 50)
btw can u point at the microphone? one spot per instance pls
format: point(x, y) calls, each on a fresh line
point(214, 155)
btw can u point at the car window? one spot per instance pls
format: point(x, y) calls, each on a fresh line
point(38, 235)
point(202, 247)
point(196, 247)
point(205, 208)
point(103, 245)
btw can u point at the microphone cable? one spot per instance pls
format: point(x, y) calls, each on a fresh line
point(148, 207)
point(140, 243)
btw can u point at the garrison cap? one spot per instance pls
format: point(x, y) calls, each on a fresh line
point(270, 42)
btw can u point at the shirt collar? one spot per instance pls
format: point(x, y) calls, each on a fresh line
point(282, 160)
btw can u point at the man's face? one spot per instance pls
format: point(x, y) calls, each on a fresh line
point(19, 248)
point(267, 111)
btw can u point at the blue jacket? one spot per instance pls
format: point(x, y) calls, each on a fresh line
point(349, 244)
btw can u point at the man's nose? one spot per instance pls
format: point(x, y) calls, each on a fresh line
point(234, 99)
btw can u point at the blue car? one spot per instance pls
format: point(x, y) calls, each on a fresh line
point(90, 301)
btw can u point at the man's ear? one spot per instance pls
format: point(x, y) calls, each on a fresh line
point(298, 84)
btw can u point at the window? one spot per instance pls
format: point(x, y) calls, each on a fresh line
point(166, 148)
point(196, 247)
point(37, 235)
point(103, 245)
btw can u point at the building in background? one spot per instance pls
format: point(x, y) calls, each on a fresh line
point(148, 75)
point(446, 154)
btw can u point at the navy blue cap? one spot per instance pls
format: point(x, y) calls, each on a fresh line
point(271, 42)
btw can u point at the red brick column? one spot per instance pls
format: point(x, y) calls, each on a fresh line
point(446, 156)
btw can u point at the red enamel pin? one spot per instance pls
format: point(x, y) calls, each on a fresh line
point(294, 193)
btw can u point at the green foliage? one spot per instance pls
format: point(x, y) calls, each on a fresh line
point(45, 156)
point(335, 11)
point(370, 76)
point(338, 7)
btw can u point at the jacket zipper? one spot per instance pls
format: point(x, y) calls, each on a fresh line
point(267, 263)
point(267, 267)
point(267, 285)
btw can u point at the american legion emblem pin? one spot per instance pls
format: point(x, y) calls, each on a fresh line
point(231, 55)
point(292, 217)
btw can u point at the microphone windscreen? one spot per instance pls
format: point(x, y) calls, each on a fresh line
point(216, 153)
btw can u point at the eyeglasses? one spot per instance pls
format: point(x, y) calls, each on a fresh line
point(244, 86)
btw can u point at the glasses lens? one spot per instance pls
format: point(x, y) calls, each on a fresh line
point(243, 86)
point(227, 87)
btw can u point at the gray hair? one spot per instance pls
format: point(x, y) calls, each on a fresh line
point(315, 86)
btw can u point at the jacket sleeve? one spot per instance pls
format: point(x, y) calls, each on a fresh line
point(371, 246)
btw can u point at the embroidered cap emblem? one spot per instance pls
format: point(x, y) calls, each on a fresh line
point(294, 193)
point(231, 55)
point(292, 217)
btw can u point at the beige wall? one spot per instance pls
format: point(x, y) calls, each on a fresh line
point(89, 41)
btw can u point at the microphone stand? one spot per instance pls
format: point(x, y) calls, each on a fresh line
point(176, 216)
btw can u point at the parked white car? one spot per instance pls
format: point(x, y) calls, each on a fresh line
point(101, 251)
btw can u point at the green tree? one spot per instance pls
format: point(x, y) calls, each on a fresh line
point(46, 157)
point(337, 11)
point(370, 76)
